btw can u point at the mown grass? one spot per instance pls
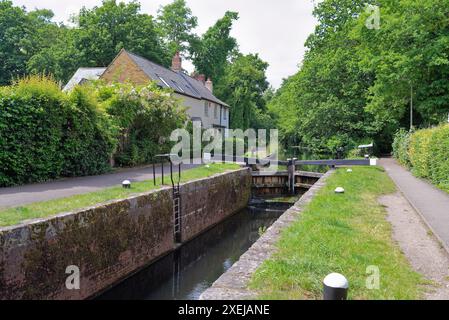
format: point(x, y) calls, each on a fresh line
point(12, 216)
point(343, 233)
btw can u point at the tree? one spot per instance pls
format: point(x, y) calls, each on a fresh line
point(59, 59)
point(103, 31)
point(211, 52)
point(13, 32)
point(356, 83)
point(176, 23)
point(322, 107)
point(52, 50)
point(408, 56)
point(25, 35)
point(243, 86)
point(334, 16)
point(33, 44)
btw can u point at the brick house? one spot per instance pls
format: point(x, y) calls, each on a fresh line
point(195, 92)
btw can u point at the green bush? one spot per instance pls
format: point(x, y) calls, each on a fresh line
point(31, 129)
point(419, 152)
point(355, 153)
point(146, 116)
point(401, 147)
point(425, 152)
point(89, 137)
point(439, 154)
point(46, 133)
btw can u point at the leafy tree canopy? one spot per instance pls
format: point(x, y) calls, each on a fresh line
point(176, 23)
point(211, 52)
point(103, 31)
point(356, 83)
point(243, 86)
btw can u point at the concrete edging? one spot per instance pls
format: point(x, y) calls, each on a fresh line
point(233, 285)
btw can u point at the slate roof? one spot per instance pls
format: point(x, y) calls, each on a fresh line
point(178, 81)
point(82, 75)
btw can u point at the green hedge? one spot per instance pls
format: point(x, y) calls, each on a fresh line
point(89, 137)
point(31, 130)
point(46, 133)
point(401, 146)
point(426, 153)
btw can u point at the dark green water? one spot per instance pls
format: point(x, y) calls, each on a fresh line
point(188, 272)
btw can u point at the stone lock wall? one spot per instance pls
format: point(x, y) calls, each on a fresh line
point(224, 195)
point(106, 242)
point(111, 241)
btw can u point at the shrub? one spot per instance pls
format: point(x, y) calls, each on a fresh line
point(89, 137)
point(439, 155)
point(46, 133)
point(426, 153)
point(419, 152)
point(355, 153)
point(145, 116)
point(401, 147)
point(31, 128)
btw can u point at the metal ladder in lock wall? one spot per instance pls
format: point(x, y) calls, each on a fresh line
point(176, 193)
point(177, 213)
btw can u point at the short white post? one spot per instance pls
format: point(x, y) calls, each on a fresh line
point(126, 184)
point(207, 158)
point(335, 287)
point(339, 190)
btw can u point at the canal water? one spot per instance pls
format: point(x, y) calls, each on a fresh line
point(186, 273)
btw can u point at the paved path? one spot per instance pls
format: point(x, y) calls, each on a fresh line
point(16, 196)
point(430, 202)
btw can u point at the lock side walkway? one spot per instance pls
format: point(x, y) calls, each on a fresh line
point(26, 194)
point(430, 202)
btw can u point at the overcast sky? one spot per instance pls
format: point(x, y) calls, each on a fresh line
point(276, 29)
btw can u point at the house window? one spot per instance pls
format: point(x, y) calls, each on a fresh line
point(206, 108)
point(225, 111)
point(216, 112)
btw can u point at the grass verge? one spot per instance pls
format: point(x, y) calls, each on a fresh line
point(343, 233)
point(12, 216)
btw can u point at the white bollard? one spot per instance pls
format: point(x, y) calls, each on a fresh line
point(339, 190)
point(335, 287)
point(126, 184)
point(207, 157)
